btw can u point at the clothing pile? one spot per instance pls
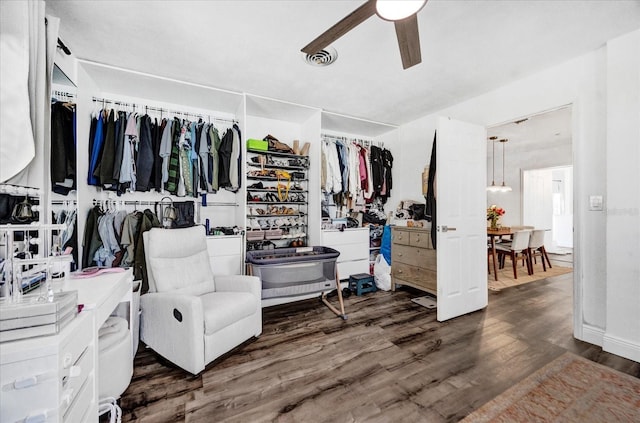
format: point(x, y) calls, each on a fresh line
point(356, 172)
point(132, 152)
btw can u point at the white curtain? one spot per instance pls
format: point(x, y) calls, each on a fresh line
point(27, 51)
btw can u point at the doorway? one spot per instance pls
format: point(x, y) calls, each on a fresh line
point(547, 202)
point(536, 162)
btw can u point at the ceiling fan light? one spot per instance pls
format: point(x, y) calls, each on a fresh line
point(396, 10)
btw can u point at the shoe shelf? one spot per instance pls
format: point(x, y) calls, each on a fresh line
point(270, 222)
point(274, 166)
point(276, 154)
point(277, 215)
point(272, 178)
point(273, 190)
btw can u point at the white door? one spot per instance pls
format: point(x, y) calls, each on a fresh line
point(461, 155)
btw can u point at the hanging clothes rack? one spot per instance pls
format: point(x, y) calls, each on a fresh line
point(365, 142)
point(63, 96)
point(148, 108)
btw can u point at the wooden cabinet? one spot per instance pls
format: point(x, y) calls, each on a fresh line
point(413, 259)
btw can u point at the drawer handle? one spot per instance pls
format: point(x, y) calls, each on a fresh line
point(67, 396)
point(400, 271)
point(41, 417)
point(75, 371)
point(399, 254)
point(25, 382)
point(28, 381)
point(67, 361)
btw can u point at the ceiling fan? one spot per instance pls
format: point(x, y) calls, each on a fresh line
point(402, 13)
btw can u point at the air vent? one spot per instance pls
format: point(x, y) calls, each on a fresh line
point(324, 57)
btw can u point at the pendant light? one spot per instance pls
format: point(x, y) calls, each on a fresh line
point(493, 187)
point(503, 187)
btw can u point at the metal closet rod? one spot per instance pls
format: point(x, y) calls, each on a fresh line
point(63, 94)
point(356, 140)
point(147, 108)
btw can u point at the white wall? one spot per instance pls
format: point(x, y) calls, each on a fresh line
point(581, 82)
point(622, 335)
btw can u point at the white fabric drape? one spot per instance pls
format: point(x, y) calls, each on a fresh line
point(25, 71)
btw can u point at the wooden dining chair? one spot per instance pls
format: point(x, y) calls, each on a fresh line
point(517, 250)
point(536, 248)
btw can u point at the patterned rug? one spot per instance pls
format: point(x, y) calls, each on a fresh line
point(506, 280)
point(569, 389)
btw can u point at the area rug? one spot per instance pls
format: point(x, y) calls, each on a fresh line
point(506, 280)
point(569, 389)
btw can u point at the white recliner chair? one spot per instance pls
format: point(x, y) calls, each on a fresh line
point(189, 316)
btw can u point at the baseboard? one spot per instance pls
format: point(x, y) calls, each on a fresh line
point(592, 335)
point(621, 347)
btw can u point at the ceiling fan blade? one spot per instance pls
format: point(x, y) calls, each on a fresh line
point(409, 41)
point(345, 25)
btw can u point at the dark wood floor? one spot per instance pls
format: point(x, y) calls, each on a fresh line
point(391, 361)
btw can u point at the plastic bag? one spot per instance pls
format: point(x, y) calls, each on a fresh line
point(382, 273)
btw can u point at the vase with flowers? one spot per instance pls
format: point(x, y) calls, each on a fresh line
point(493, 216)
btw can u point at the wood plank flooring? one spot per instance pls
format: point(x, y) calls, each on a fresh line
point(391, 361)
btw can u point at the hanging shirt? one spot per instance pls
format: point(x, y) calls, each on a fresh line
point(127, 169)
point(96, 150)
point(354, 170)
point(165, 149)
point(214, 158)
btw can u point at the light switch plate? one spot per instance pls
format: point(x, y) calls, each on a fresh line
point(595, 203)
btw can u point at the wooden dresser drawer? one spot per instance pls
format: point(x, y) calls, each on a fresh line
point(400, 236)
point(418, 257)
point(420, 239)
point(405, 274)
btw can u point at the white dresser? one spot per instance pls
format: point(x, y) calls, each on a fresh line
point(353, 245)
point(225, 254)
point(54, 378)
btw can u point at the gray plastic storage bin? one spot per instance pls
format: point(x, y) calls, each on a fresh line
point(289, 272)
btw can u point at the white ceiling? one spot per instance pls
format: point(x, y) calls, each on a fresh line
point(468, 47)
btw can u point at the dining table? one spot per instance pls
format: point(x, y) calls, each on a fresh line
point(492, 234)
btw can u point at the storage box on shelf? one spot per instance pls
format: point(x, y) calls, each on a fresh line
point(276, 199)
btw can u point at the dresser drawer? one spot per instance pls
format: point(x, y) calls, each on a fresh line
point(400, 236)
point(418, 257)
point(74, 378)
point(420, 239)
point(414, 276)
point(334, 239)
point(79, 405)
point(224, 246)
point(29, 387)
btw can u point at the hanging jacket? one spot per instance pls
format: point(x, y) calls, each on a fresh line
point(144, 159)
point(224, 159)
point(96, 150)
point(63, 149)
point(108, 154)
point(148, 220)
point(214, 158)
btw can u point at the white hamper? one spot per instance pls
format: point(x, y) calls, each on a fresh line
point(115, 364)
